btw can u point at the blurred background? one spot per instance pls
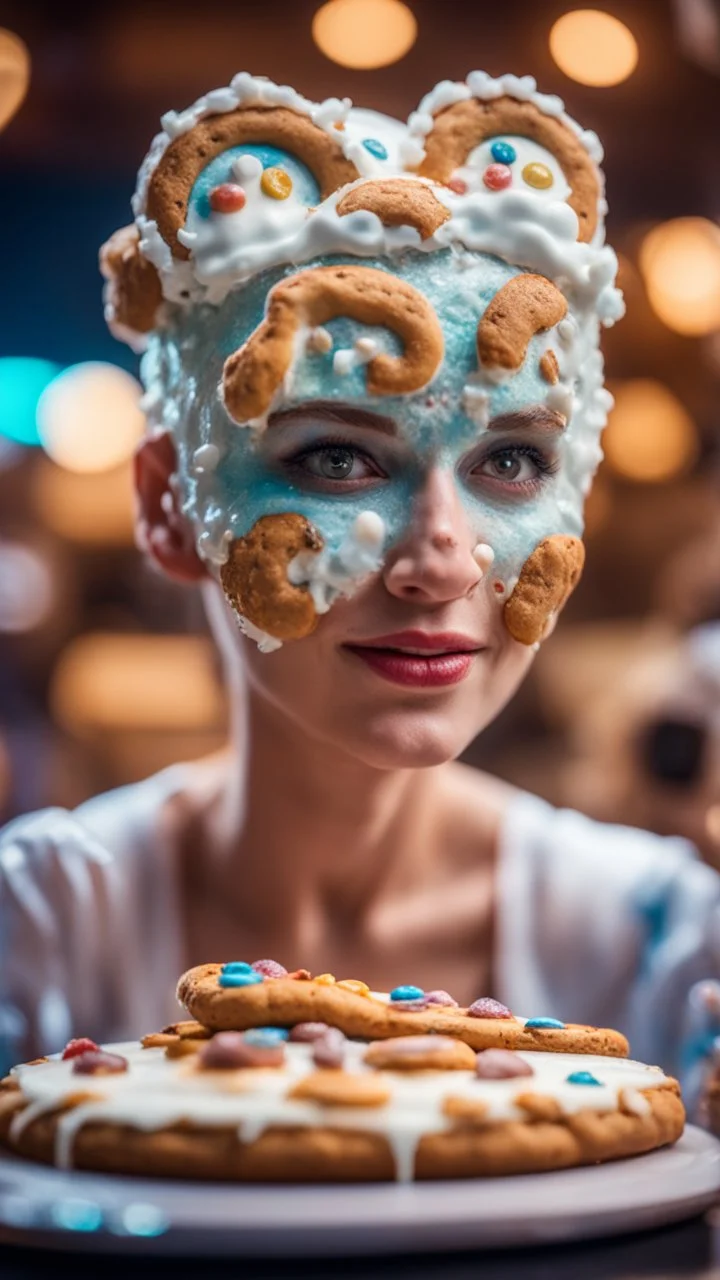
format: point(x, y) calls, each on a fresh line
point(106, 671)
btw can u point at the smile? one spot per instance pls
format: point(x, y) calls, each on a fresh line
point(418, 660)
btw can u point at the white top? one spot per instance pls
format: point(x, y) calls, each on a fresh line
point(598, 924)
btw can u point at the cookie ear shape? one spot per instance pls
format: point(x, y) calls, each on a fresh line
point(184, 159)
point(398, 202)
point(253, 374)
point(133, 289)
point(255, 576)
point(547, 579)
point(526, 305)
point(464, 125)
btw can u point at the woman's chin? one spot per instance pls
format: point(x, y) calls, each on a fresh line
point(401, 740)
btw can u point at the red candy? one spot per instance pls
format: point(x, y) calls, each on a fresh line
point(487, 1008)
point(227, 198)
point(501, 1064)
point(497, 177)
point(270, 968)
point(98, 1063)
point(74, 1048)
point(458, 185)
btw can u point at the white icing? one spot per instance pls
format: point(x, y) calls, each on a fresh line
point(157, 1091)
point(527, 152)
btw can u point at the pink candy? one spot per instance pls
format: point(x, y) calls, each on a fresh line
point(229, 1050)
point(269, 968)
point(329, 1049)
point(497, 176)
point(307, 1032)
point(440, 997)
point(485, 1007)
point(501, 1064)
point(95, 1062)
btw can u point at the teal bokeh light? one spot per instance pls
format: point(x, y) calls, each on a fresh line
point(22, 381)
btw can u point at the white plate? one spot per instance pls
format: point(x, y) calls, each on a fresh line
point(97, 1212)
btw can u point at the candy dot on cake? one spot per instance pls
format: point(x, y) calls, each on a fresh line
point(582, 1077)
point(544, 1024)
point(497, 177)
point(266, 1037)
point(276, 183)
point(407, 993)
point(501, 1064)
point(238, 973)
point(486, 1007)
point(503, 152)
point(375, 148)
point(269, 968)
point(458, 185)
point(227, 198)
point(74, 1048)
point(357, 987)
point(99, 1063)
point(537, 175)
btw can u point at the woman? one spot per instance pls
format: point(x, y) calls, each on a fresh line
point(375, 401)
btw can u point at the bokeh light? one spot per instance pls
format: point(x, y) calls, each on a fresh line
point(364, 33)
point(14, 74)
point(93, 510)
point(26, 588)
point(593, 47)
point(680, 263)
point(650, 436)
point(89, 417)
point(22, 382)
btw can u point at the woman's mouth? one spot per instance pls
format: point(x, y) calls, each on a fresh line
point(418, 659)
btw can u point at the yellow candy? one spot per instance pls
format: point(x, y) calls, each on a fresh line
point(328, 979)
point(537, 175)
point(352, 984)
point(276, 183)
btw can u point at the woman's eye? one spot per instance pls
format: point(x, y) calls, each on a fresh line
point(513, 466)
point(336, 462)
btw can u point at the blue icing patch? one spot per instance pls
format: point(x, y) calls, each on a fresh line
point(239, 979)
point(376, 148)
point(407, 993)
point(581, 1077)
point(237, 966)
point(503, 152)
point(544, 1024)
point(219, 170)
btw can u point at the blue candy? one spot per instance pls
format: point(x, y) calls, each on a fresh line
point(231, 979)
point(375, 148)
point(407, 993)
point(237, 966)
point(266, 1037)
point(503, 152)
point(581, 1077)
point(544, 1024)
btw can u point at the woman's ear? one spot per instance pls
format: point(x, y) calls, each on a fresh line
point(161, 531)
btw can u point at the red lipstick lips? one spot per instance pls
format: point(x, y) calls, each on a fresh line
point(417, 659)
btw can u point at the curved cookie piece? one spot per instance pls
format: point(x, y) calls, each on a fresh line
point(133, 291)
point(398, 202)
point(464, 125)
point(186, 156)
point(547, 579)
point(526, 305)
point(253, 374)
point(420, 1053)
point(336, 1088)
point(281, 1002)
point(255, 576)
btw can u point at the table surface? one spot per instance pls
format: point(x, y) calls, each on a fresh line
point(686, 1250)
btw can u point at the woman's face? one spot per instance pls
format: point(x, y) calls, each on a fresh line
point(468, 476)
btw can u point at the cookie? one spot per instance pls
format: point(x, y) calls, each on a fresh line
point(420, 1053)
point(184, 159)
point(255, 576)
point(546, 581)
point(300, 1124)
point(459, 128)
point(133, 291)
point(397, 202)
point(254, 373)
point(549, 367)
point(283, 1002)
point(526, 305)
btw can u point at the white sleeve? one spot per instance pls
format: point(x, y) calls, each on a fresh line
point(59, 895)
point(611, 926)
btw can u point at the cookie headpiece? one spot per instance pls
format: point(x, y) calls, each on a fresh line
point(450, 274)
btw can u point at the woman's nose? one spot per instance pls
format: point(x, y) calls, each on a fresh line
point(433, 561)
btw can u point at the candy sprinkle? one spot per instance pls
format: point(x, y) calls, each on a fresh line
point(503, 152)
point(227, 198)
point(237, 966)
point(266, 1037)
point(581, 1077)
point(497, 177)
point(544, 1024)
point(458, 185)
point(485, 1007)
point(355, 985)
point(269, 968)
point(407, 993)
point(276, 183)
point(537, 175)
point(74, 1048)
point(375, 148)
point(240, 979)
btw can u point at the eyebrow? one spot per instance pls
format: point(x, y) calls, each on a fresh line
point(537, 417)
point(338, 414)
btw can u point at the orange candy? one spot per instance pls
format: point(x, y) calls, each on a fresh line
point(327, 979)
point(354, 985)
point(276, 183)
